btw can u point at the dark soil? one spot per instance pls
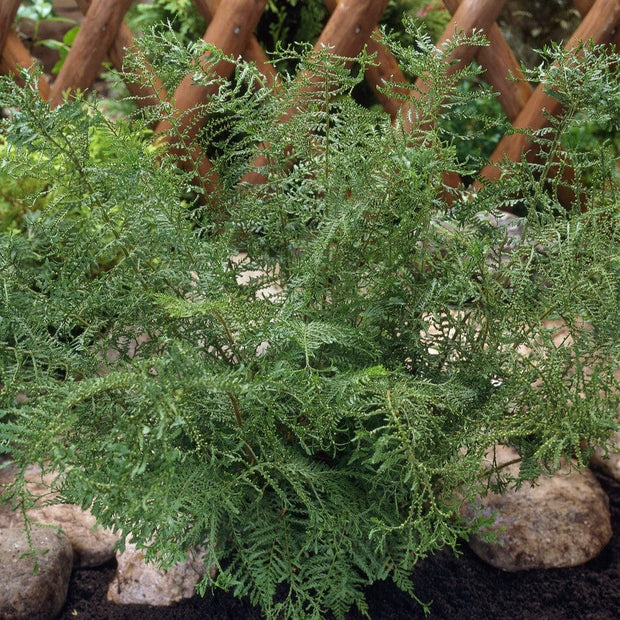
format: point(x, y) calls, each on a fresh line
point(461, 588)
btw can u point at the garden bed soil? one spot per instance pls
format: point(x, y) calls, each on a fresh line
point(461, 588)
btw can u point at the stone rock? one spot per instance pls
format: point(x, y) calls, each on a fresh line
point(29, 596)
point(35, 484)
point(609, 465)
point(138, 583)
point(563, 520)
point(92, 545)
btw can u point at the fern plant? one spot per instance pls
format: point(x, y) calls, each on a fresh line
point(301, 375)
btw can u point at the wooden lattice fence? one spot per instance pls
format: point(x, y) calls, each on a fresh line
point(352, 24)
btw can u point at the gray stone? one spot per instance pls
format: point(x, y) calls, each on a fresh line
point(24, 594)
point(563, 520)
point(139, 583)
point(610, 464)
point(92, 544)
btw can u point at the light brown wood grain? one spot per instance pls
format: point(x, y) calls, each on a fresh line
point(95, 37)
point(8, 11)
point(345, 34)
point(15, 57)
point(598, 25)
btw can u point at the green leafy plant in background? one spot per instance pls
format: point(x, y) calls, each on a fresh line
point(35, 10)
point(182, 16)
point(301, 376)
point(39, 11)
point(62, 47)
point(286, 22)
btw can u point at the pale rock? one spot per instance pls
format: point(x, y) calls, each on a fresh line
point(9, 517)
point(563, 520)
point(25, 595)
point(36, 482)
point(610, 464)
point(92, 544)
point(271, 289)
point(139, 583)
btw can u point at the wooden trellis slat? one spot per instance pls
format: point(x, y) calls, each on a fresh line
point(598, 25)
point(8, 11)
point(345, 34)
point(350, 26)
point(122, 44)
point(384, 70)
point(500, 65)
point(583, 6)
point(15, 56)
point(470, 15)
point(253, 51)
point(95, 37)
point(230, 27)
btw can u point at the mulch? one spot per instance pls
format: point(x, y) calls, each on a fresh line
point(461, 588)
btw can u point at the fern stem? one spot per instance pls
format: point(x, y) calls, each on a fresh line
point(239, 417)
point(236, 409)
point(229, 336)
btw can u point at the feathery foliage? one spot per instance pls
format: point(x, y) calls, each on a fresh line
point(300, 375)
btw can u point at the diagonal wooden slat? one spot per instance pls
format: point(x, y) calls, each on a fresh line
point(8, 11)
point(584, 6)
point(498, 60)
point(91, 44)
point(253, 51)
point(470, 15)
point(229, 31)
point(153, 91)
point(14, 57)
point(350, 25)
point(384, 70)
point(500, 64)
point(345, 34)
point(598, 26)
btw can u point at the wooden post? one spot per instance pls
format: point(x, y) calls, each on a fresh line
point(15, 56)
point(8, 11)
point(385, 70)
point(478, 14)
point(583, 6)
point(500, 63)
point(121, 45)
point(253, 51)
point(350, 25)
point(345, 33)
point(91, 44)
point(598, 25)
point(229, 31)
